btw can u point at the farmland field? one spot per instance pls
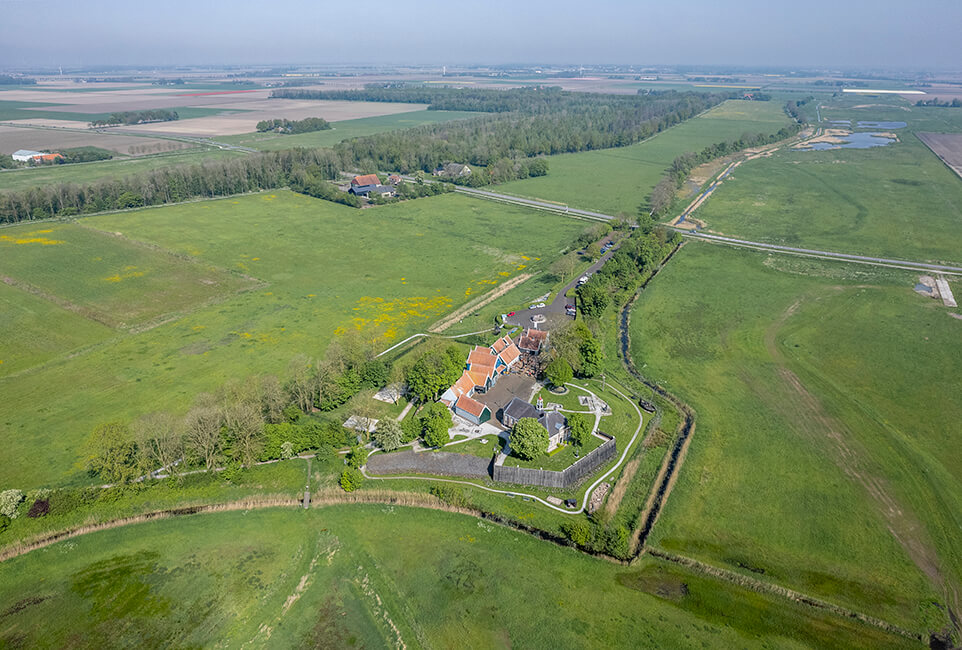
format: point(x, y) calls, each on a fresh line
point(389, 271)
point(15, 179)
point(36, 330)
point(897, 200)
point(109, 279)
point(816, 433)
point(374, 576)
point(619, 180)
point(344, 130)
point(13, 138)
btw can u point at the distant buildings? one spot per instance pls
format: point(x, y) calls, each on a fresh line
point(452, 170)
point(484, 366)
point(369, 184)
point(27, 155)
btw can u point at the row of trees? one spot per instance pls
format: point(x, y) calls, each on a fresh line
point(663, 194)
point(136, 117)
point(307, 125)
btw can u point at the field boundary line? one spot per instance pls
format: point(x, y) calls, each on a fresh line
point(761, 586)
point(480, 301)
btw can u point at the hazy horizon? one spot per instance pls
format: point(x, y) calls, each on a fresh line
point(861, 34)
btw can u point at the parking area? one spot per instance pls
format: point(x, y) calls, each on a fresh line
point(508, 387)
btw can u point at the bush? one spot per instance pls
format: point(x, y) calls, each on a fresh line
point(351, 479)
point(435, 423)
point(450, 494)
point(578, 531)
point(40, 508)
point(357, 457)
point(4, 522)
point(232, 471)
point(9, 502)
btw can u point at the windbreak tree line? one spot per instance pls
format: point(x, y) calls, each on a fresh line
point(307, 125)
point(137, 117)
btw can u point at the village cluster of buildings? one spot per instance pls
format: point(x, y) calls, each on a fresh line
point(367, 184)
point(35, 157)
point(485, 365)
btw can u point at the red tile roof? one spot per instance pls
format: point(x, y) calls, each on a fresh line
point(532, 340)
point(367, 179)
point(465, 384)
point(481, 356)
point(510, 354)
point(473, 407)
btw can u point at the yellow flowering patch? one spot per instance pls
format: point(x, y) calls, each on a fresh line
point(505, 273)
point(27, 239)
point(526, 258)
point(128, 273)
point(198, 328)
point(393, 316)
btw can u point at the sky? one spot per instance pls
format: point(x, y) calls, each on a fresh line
point(817, 33)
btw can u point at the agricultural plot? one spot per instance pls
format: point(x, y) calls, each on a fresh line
point(947, 146)
point(13, 138)
point(345, 130)
point(111, 280)
point(619, 180)
point(819, 460)
point(896, 201)
point(15, 179)
point(36, 330)
point(388, 271)
point(342, 576)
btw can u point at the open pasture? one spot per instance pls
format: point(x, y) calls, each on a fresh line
point(896, 201)
point(388, 271)
point(109, 279)
point(619, 180)
point(36, 330)
point(378, 576)
point(824, 419)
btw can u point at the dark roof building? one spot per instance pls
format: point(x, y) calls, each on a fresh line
point(365, 190)
point(516, 409)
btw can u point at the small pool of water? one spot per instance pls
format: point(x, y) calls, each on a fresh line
point(880, 125)
point(857, 140)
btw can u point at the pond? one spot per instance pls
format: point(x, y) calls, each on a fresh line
point(857, 140)
point(880, 125)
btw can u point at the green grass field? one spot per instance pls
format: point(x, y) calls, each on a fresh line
point(17, 110)
point(112, 280)
point(896, 201)
point(345, 130)
point(816, 388)
point(391, 271)
point(36, 330)
point(619, 180)
point(377, 576)
point(17, 179)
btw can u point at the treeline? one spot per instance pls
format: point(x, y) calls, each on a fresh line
point(513, 136)
point(127, 118)
point(209, 179)
point(791, 109)
point(955, 103)
point(529, 99)
point(307, 125)
point(502, 171)
point(663, 194)
point(84, 154)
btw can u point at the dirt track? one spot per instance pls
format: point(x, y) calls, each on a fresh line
point(478, 303)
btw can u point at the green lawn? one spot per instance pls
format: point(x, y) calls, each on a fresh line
point(814, 387)
point(619, 180)
point(36, 330)
point(390, 271)
point(16, 179)
point(110, 279)
point(376, 576)
point(345, 130)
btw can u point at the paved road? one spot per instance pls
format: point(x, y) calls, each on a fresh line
point(728, 241)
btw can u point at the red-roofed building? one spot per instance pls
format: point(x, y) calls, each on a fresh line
point(366, 179)
point(532, 340)
point(472, 410)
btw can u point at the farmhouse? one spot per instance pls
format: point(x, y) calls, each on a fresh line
point(453, 170)
point(25, 155)
point(367, 190)
point(394, 179)
point(366, 179)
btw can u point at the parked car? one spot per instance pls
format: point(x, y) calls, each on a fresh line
point(510, 314)
point(571, 503)
point(537, 306)
point(582, 280)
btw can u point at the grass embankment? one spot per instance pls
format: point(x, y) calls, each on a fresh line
point(619, 180)
point(815, 387)
point(897, 200)
point(390, 271)
point(342, 576)
point(344, 130)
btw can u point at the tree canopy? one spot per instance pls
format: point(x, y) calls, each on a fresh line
point(558, 372)
point(529, 440)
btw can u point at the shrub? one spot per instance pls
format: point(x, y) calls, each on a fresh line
point(4, 522)
point(357, 457)
point(578, 531)
point(40, 508)
point(9, 502)
point(450, 494)
point(351, 479)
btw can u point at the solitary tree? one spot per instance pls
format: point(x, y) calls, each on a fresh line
point(558, 372)
point(388, 434)
point(112, 453)
point(435, 423)
point(351, 479)
point(579, 427)
point(529, 440)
